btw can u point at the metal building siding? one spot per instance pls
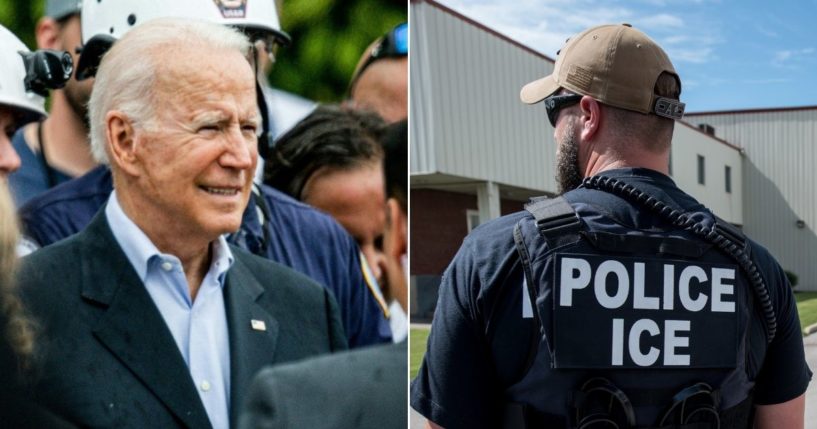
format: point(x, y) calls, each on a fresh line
point(465, 97)
point(780, 182)
point(421, 159)
point(687, 144)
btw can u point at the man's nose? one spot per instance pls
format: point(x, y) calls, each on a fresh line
point(241, 152)
point(9, 160)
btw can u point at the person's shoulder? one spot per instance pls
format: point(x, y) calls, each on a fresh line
point(487, 256)
point(352, 362)
point(289, 211)
point(365, 388)
point(279, 199)
point(495, 231)
point(60, 252)
point(88, 188)
point(48, 274)
point(277, 277)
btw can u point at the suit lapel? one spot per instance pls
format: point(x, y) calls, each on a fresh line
point(253, 332)
point(132, 327)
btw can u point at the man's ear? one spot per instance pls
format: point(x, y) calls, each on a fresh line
point(397, 230)
point(121, 141)
point(591, 117)
point(47, 34)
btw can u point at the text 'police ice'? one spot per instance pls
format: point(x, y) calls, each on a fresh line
point(653, 312)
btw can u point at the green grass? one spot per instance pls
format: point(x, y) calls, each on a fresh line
point(806, 307)
point(417, 342)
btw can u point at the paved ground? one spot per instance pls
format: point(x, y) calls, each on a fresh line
point(416, 421)
point(811, 393)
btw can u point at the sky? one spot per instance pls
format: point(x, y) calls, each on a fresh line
point(730, 54)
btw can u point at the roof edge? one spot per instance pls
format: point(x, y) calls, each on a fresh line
point(484, 27)
point(759, 110)
point(717, 139)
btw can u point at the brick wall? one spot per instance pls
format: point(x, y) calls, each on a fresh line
point(438, 225)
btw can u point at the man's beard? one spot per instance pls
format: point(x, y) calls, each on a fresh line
point(568, 175)
point(78, 101)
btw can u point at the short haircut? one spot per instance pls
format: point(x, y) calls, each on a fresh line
point(126, 75)
point(653, 130)
point(334, 137)
point(395, 143)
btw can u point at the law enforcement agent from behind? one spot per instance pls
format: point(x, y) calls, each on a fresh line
point(624, 302)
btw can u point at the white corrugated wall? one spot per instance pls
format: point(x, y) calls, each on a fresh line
point(779, 179)
point(467, 119)
point(687, 144)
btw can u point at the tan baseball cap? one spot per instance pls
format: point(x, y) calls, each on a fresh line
point(615, 64)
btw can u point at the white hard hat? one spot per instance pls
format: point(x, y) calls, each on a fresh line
point(105, 21)
point(12, 76)
point(117, 17)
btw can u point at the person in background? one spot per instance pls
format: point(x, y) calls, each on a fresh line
point(362, 389)
point(623, 302)
point(18, 106)
point(395, 235)
point(333, 160)
point(380, 80)
point(17, 337)
point(285, 108)
point(151, 318)
point(55, 150)
point(275, 226)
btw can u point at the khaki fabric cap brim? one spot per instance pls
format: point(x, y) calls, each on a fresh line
point(539, 89)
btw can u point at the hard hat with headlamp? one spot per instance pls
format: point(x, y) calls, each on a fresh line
point(105, 21)
point(13, 91)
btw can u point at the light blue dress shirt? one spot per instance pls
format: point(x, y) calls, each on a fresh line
point(199, 327)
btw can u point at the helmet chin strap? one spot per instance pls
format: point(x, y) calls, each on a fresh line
point(265, 139)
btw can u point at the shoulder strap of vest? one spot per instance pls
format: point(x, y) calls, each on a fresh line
point(557, 224)
point(732, 233)
point(555, 219)
point(737, 250)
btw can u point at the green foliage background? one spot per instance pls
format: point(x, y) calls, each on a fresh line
point(328, 38)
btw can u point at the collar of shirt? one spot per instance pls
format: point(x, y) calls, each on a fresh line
point(140, 250)
point(198, 327)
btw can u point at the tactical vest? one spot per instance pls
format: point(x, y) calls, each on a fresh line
point(637, 329)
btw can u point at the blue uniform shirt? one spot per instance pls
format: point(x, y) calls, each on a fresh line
point(31, 179)
point(293, 234)
point(483, 324)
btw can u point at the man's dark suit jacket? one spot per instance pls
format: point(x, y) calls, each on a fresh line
point(107, 356)
point(360, 389)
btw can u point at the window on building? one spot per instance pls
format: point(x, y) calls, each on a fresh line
point(701, 175)
point(728, 179)
point(472, 218)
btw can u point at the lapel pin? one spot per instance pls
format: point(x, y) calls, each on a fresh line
point(258, 325)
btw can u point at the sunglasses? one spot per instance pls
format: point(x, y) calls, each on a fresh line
point(555, 103)
point(393, 44)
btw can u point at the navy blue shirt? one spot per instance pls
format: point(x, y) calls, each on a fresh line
point(293, 234)
point(32, 178)
point(483, 324)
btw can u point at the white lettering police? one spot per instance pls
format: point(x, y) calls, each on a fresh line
point(615, 286)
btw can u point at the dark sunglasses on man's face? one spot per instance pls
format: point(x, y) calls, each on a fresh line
point(555, 103)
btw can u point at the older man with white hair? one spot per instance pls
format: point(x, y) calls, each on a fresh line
point(150, 318)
